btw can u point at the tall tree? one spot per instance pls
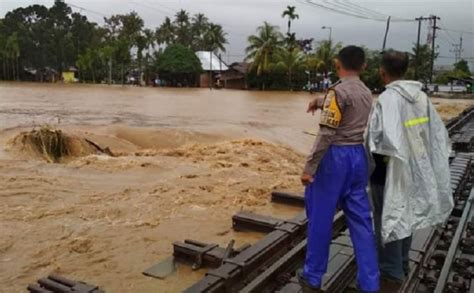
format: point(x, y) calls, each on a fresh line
point(424, 63)
point(326, 52)
point(12, 49)
point(182, 28)
point(85, 62)
point(291, 61)
point(124, 31)
point(262, 45)
point(61, 42)
point(215, 38)
point(462, 66)
point(199, 26)
point(165, 34)
point(179, 65)
point(290, 12)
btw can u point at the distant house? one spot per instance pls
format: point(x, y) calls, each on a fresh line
point(212, 66)
point(235, 76)
point(45, 74)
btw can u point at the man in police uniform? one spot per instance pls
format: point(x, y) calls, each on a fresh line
point(336, 175)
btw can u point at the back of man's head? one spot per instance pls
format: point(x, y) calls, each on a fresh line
point(352, 58)
point(395, 64)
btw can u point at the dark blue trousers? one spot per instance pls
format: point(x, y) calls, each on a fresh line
point(341, 179)
point(393, 256)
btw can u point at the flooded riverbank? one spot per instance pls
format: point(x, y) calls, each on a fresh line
point(185, 160)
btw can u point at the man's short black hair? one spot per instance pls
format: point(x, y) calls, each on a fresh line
point(352, 58)
point(395, 63)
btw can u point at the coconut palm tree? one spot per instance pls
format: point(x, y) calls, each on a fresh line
point(165, 34)
point(199, 26)
point(262, 45)
point(291, 61)
point(150, 41)
point(214, 40)
point(182, 28)
point(326, 52)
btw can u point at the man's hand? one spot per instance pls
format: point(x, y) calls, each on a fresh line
point(306, 179)
point(312, 107)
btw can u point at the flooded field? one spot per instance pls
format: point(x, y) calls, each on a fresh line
point(184, 161)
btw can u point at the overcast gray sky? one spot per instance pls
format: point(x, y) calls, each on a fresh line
point(240, 18)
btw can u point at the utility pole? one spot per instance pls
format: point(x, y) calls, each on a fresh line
point(417, 60)
point(433, 49)
point(330, 32)
point(458, 51)
point(386, 34)
point(220, 69)
point(210, 70)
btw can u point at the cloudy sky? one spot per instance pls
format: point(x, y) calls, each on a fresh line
point(241, 17)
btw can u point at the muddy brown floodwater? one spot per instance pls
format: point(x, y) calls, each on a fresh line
point(185, 161)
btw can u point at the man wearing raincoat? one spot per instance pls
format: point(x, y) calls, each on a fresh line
point(410, 186)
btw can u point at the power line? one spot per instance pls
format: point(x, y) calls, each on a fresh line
point(456, 31)
point(449, 36)
point(349, 11)
point(86, 9)
point(445, 40)
point(312, 4)
point(150, 7)
point(452, 57)
point(164, 6)
point(346, 7)
point(361, 8)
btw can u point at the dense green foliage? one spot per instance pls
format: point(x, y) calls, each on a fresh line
point(37, 42)
point(460, 71)
point(179, 64)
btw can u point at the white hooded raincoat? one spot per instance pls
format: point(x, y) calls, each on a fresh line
point(405, 126)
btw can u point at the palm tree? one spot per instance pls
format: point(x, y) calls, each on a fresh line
point(290, 37)
point(290, 12)
point(106, 55)
point(326, 53)
point(291, 61)
point(214, 40)
point(165, 34)
point(182, 28)
point(200, 24)
point(150, 42)
point(182, 17)
point(262, 46)
point(141, 43)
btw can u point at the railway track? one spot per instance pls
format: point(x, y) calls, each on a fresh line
point(441, 259)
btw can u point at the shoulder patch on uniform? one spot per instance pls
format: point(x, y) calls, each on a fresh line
point(331, 115)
